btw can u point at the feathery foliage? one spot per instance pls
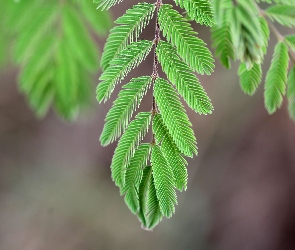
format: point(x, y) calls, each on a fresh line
point(130, 26)
point(121, 112)
point(127, 145)
point(276, 78)
point(150, 191)
point(134, 175)
point(183, 78)
point(222, 42)
point(174, 117)
point(192, 50)
point(198, 10)
point(120, 66)
point(164, 182)
point(250, 79)
point(250, 28)
point(171, 152)
point(55, 50)
point(283, 14)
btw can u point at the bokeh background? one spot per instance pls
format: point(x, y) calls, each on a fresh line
point(56, 190)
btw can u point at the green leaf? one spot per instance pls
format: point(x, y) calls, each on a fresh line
point(247, 37)
point(290, 40)
point(106, 4)
point(144, 188)
point(153, 214)
point(250, 79)
point(123, 107)
point(130, 26)
point(79, 39)
point(283, 14)
point(127, 145)
point(172, 154)
point(174, 117)
point(198, 10)
point(34, 34)
point(276, 78)
point(164, 182)
point(179, 32)
point(134, 175)
point(265, 32)
point(291, 93)
point(222, 42)
point(183, 78)
point(127, 59)
point(99, 20)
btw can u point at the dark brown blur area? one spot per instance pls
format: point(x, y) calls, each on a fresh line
point(56, 190)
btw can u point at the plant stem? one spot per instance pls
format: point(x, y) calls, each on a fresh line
point(155, 73)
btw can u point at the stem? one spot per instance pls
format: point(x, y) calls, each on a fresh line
point(155, 73)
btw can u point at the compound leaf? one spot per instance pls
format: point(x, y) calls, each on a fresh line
point(276, 78)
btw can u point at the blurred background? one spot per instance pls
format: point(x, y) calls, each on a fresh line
point(56, 190)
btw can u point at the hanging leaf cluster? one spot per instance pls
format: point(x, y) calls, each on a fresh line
point(242, 32)
point(55, 50)
point(148, 174)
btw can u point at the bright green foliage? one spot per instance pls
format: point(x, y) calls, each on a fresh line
point(164, 182)
point(291, 93)
point(198, 10)
point(174, 117)
point(153, 213)
point(150, 191)
point(150, 213)
point(120, 66)
point(134, 175)
point(130, 26)
point(246, 35)
point(250, 30)
point(222, 42)
point(55, 51)
point(171, 152)
point(120, 114)
point(290, 40)
point(127, 145)
point(276, 78)
point(265, 33)
point(179, 32)
point(250, 79)
point(183, 78)
point(283, 14)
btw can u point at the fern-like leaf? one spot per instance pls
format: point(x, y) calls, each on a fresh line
point(127, 146)
point(175, 117)
point(127, 59)
point(250, 79)
point(265, 32)
point(222, 42)
point(283, 14)
point(184, 79)
point(134, 175)
point(144, 188)
point(153, 210)
point(130, 26)
point(164, 182)
point(121, 112)
point(290, 40)
point(276, 78)
point(179, 32)
point(291, 93)
point(106, 4)
point(172, 154)
point(199, 10)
